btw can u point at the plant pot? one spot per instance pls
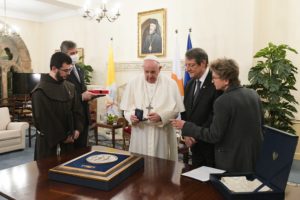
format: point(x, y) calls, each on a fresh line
point(110, 122)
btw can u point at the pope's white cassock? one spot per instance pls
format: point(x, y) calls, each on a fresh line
point(153, 139)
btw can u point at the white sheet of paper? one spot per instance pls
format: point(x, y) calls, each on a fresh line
point(202, 173)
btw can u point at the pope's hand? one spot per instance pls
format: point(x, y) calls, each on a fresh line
point(154, 117)
point(134, 120)
point(177, 123)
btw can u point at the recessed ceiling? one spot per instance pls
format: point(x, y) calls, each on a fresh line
point(40, 10)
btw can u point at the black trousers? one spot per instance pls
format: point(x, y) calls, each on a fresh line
point(82, 140)
point(203, 154)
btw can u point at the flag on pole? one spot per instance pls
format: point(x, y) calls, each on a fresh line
point(188, 46)
point(176, 69)
point(111, 82)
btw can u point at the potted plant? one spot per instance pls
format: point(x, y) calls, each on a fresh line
point(110, 119)
point(273, 77)
point(87, 71)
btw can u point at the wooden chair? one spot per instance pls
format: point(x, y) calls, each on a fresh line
point(126, 132)
point(184, 150)
point(23, 112)
point(93, 118)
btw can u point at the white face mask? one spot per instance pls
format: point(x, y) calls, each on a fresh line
point(74, 58)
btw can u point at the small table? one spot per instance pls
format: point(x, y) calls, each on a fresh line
point(113, 127)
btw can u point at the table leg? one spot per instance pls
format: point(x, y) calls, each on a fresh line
point(113, 137)
point(96, 134)
point(29, 135)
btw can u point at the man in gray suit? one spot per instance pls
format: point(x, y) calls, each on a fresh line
point(236, 128)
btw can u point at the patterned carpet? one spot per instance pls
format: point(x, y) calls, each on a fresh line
point(19, 157)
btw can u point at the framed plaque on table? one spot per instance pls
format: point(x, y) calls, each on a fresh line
point(97, 169)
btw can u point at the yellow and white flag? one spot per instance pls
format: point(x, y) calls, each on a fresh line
point(111, 82)
point(111, 79)
point(176, 69)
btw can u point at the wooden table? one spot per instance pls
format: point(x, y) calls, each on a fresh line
point(112, 127)
point(160, 179)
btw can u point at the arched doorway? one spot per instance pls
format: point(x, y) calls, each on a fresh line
point(13, 55)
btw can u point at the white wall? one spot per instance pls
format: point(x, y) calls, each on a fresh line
point(278, 22)
point(221, 30)
point(31, 34)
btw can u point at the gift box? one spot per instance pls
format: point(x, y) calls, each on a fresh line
point(97, 169)
point(99, 92)
point(272, 169)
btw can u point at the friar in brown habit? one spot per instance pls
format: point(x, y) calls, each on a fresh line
point(57, 113)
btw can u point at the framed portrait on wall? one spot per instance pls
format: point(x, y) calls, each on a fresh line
point(152, 33)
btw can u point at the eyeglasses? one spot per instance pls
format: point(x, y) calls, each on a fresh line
point(67, 70)
point(214, 77)
point(73, 53)
point(190, 65)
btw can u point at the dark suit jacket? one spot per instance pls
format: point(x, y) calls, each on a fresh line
point(236, 129)
point(80, 88)
point(200, 114)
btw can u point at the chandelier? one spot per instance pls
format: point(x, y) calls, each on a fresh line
point(101, 12)
point(5, 29)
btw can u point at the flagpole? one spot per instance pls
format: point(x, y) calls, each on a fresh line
point(176, 69)
point(111, 81)
point(188, 46)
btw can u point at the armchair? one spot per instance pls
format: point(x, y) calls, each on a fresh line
point(12, 134)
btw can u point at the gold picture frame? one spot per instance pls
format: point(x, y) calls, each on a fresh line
point(152, 33)
point(80, 54)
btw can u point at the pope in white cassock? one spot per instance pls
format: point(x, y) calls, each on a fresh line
point(159, 98)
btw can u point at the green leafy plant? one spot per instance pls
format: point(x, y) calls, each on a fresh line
point(110, 119)
point(273, 77)
point(87, 71)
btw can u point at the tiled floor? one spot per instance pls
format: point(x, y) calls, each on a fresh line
point(295, 172)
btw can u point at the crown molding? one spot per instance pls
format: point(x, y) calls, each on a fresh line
point(41, 10)
point(38, 18)
point(137, 65)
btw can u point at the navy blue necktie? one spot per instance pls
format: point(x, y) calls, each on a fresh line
point(196, 90)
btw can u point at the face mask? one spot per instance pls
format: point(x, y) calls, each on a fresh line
point(74, 58)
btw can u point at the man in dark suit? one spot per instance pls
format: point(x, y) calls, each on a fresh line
point(199, 96)
point(77, 78)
